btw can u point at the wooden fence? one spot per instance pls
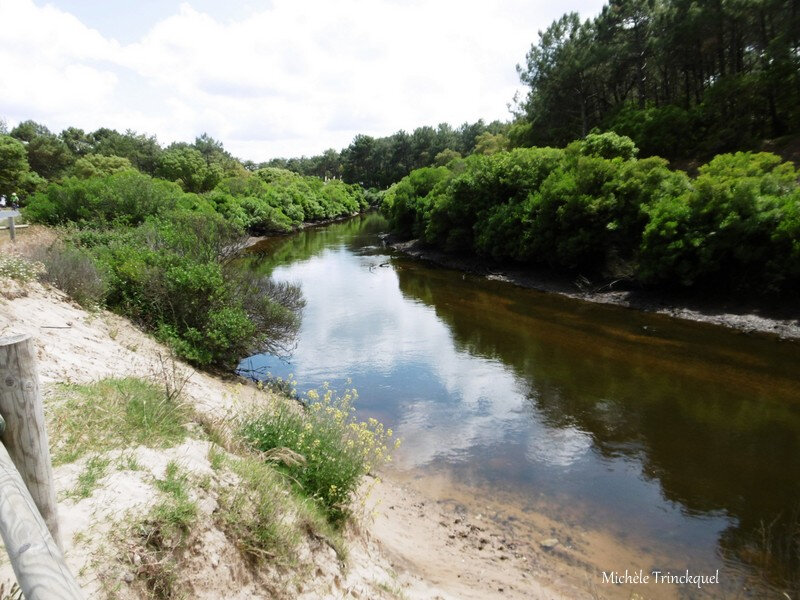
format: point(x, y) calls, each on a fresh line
point(28, 509)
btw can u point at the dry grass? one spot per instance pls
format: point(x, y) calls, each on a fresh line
point(28, 239)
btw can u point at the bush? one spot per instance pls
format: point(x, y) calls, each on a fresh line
point(736, 226)
point(275, 200)
point(72, 270)
point(124, 198)
point(170, 274)
point(334, 450)
point(605, 145)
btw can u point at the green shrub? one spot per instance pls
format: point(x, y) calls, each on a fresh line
point(74, 271)
point(124, 198)
point(735, 226)
point(406, 203)
point(605, 145)
point(170, 275)
point(335, 450)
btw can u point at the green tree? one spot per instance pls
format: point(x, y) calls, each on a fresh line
point(93, 165)
point(14, 167)
point(143, 151)
point(189, 168)
point(47, 154)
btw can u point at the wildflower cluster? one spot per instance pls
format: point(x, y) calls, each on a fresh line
point(336, 448)
point(15, 267)
point(287, 387)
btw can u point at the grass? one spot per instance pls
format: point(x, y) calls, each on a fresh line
point(113, 413)
point(253, 513)
point(176, 511)
point(96, 469)
point(162, 534)
point(266, 518)
point(330, 450)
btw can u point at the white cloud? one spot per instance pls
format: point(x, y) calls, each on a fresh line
point(293, 78)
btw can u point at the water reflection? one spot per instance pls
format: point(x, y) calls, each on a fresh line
point(668, 431)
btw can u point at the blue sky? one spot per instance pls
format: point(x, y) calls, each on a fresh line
point(276, 78)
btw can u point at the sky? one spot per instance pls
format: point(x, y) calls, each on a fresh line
point(267, 78)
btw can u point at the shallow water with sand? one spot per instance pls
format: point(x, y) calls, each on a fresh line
point(636, 440)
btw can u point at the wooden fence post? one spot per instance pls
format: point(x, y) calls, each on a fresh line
point(38, 562)
point(11, 229)
point(25, 435)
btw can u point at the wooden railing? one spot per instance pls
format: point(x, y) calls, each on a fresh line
point(28, 509)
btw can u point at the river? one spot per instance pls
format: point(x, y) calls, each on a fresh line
point(678, 440)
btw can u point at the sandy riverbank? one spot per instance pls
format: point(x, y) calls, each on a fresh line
point(409, 542)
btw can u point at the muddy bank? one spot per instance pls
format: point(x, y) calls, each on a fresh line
point(778, 318)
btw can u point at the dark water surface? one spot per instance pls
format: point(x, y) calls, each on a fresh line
point(663, 432)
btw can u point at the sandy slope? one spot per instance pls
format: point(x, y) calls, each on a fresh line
point(409, 546)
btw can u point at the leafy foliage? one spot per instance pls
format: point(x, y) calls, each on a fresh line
point(124, 198)
point(736, 226)
point(733, 227)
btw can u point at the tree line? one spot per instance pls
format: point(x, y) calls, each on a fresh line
point(31, 155)
point(378, 162)
point(682, 78)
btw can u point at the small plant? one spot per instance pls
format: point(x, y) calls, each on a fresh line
point(335, 450)
point(253, 513)
point(19, 269)
point(216, 457)
point(177, 511)
point(73, 271)
point(96, 468)
point(162, 535)
point(279, 385)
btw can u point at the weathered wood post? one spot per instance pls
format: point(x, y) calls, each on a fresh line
point(25, 435)
point(12, 228)
point(37, 560)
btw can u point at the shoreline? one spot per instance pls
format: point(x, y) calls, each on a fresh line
point(743, 317)
point(255, 240)
point(78, 347)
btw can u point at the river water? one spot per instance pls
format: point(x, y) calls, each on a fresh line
point(680, 440)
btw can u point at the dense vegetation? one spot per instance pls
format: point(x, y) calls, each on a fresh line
point(162, 255)
point(680, 77)
point(379, 162)
point(336, 449)
point(31, 155)
point(594, 207)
